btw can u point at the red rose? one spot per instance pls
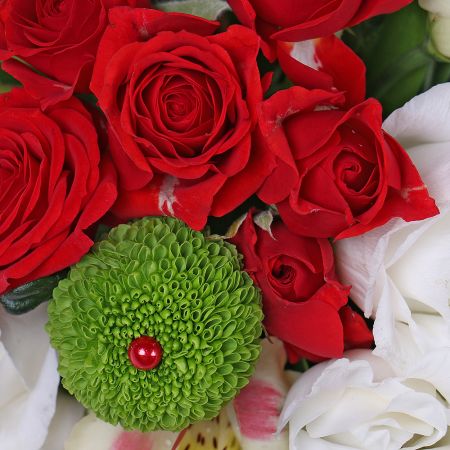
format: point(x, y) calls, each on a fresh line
point(303, 300)
point(181, 103)
point(53, 186)
point(298, 20)
point(338, 173)
point(58, 38)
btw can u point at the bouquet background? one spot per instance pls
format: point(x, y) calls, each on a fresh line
point(255, 130)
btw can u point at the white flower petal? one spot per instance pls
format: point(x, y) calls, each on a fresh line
point(441, 7)
point(439, 24)
point(31, 380)
point(433, 163)
point(435, 368)
point(303, 441)
point(91, 433)
point(68, 412)
point(424, 119)
point(255, 411)
point(363, 411)
point(443, 444)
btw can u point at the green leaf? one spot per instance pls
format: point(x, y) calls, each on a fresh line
point(395, 50)
point(28, 296)
point(209, 9)
point(302, 366)
point(7, 82)
point(441, 74)
point(102, 232)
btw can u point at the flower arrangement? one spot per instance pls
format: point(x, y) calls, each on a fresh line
point(224, 225)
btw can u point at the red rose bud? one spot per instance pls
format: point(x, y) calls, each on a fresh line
point(181, 104)
point(57, 38)
point(53, 186)
point(338, 173)
point(302, 297)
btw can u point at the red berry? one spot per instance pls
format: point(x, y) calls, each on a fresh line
point(145, 353)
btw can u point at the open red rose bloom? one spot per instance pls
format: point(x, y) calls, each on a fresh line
point(57, 38)
point(181, 103)
point(54, 185)
point(339, 174)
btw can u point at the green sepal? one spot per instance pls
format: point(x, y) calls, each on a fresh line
point(30, 295)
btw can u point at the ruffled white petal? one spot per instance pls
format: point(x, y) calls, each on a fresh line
point(346, 404)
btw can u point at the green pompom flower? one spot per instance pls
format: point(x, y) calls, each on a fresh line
point(158, 278)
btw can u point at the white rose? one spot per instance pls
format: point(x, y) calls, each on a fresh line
point(355, 403)
point(29, 380)
point(400, 273)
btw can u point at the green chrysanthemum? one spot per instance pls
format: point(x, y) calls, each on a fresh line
point(156, 277)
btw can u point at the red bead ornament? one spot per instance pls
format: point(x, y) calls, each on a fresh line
point(145, 353)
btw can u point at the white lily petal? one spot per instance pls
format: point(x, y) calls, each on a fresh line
point(91, 433)
point(255, 411)
point(31, 380)
point(68, 412)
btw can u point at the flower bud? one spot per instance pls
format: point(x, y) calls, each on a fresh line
point(440, 26)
